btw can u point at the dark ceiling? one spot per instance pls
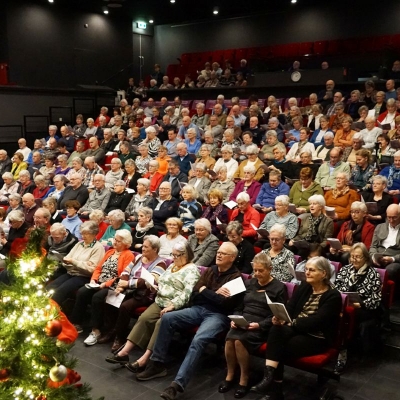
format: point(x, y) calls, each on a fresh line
point(182, 11)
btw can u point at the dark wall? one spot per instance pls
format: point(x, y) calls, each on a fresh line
point(3, 35)
point(49, 46)
point(333, 21)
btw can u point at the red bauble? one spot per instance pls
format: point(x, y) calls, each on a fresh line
point(4, 375)
point(41, 397)
point(53, 328)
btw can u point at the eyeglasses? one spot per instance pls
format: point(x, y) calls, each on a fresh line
point(221, 253)
point(356, 257)
point(355, 211)
point(175, 256)
point(275, 239)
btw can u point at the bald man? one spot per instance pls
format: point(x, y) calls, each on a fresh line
point(30, 207)
point(94, 151)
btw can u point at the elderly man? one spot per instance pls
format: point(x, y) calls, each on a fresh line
point(200, 118)
point(323, 151)
point(98, 198)
point(270, 191)
point(52, 149)
point(170, 111)
point(330, 109)
point(94, 151)
point(175, 177)
point(36, 163)
point(5, 164)
point(385, 247)
point(148, 111)
point(118, 124)
point(166, 125)
point(68, 136)
point(172, 143)
point(237, 116)
point(255, 130)
point(165, 84)
point(325, 97)
point(327, 172)
point(92, 169)
point(218, 111)
point(23, 148)
point(108, 143)
point(186, 124)
point(183, 158)
point(349, 154)
point(390, 90)
point(216, 129)
point(230, 124)
point(75, 191)
point(30, 207)
point(80, 148)
point(146, 124)
point(211, 304)
point(163, 106)
point(42, 218)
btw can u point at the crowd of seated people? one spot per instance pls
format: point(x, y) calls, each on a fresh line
point(152, 195)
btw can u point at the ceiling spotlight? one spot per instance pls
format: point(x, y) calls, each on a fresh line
point(172, 1)
point(293, 1)
point(51, 1)
point(151, 21)
point(105, 10)
point(215, 11)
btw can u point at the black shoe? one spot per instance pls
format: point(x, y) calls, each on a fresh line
point(274, 393)
point(135, 367)
point(116, 359)
point(241, 391)
point(225, 386)
point(339, 367)
point(169, 393)
point(264, 385)
point(154, 369)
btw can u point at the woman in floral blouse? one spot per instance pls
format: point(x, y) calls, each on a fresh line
point(143, 160)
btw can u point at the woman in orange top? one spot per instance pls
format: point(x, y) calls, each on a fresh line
point(163, 160)
point(343, 137)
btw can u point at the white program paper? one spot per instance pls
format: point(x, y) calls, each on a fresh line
point(235, 286)
point(231, 204)
point(148, 277)
point(114, 299)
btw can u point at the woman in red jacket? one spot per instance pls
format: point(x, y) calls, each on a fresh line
point(247, 216)
point(153, 175)
point(104, 277)
point(357, 230)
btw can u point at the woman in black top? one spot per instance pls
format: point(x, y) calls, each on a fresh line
point(144, 227)
point(131, 176)
point(241, 342)
point(314, 310)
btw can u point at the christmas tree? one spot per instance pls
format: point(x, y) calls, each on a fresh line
point(35, 336)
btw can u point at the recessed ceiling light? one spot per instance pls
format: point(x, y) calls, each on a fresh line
point(151, 21)
point(293, 1)
point(51, 1)
point(172, 1)
point(105, 11)
point(215, 11)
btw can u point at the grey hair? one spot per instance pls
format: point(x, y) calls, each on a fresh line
point(117, 214)
point(203, 222)
point(154, 242)
point(329, 134)
point(243, 197)
point(390, 102)
point(272, 133)
point(90, 120)
point(117, 160)
point(62, 157)
point(40, 178)
point(234, 226)
point(191, 130)
point(318, 198)
point(150, 129)
point(361, 246)
point(322, 264)
point(100, 176)
point(58, 227)
point(229, 131)
point(252, 149)
point(263, 259)
point(380, 178)
point(125, 235)
point(144, 145)
point(358, 205)
point(206, 146)
point(96, 214)
point(120, 182)
point(90, 227)
point(227, 148)
point(130, 162)
point(201, 166)
point(345, 174)
point(147, 120)
point(147, 211)
point(221, 168)
point(25, 172)
point(16, 216)
point(144, 182)
point(283, 198)
point(192, 191)
point(78, 160)
point(15, 196)
point(397, 154)
point(53, 128)
point(249, 168)
point(184, 247)
point(279, 228)
point(9, 175)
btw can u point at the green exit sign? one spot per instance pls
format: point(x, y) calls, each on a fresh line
point(141, 25)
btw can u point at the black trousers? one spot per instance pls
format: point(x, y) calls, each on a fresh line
point(284, 343)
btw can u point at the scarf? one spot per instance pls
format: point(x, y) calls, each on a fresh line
point(393, 174)
point(312, 229)
point(337, 193)
point(300, 147)
point(145, 228)
point(212, 214)
point(352, 230)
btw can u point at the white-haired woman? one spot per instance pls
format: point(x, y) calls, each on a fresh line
point(247, 184)
point(77, 167)
point(388, 117)
point(105, 274)
point(252, 160)
point(152, 141)
point(193, 144)
point(174, 226)
point(153, 175)
point(318, 135)
point(63, 167)
point(228, 161)
point(222, 183)
point(204, 154)
point(42, 189)
point(200, 182)
point(98, 216)
point(271, 138)
point(370, 133)
point(131, 176)
point(283, 261)
point(203, 243)
point(115, 174)
point(189, 209)
point(119, 198)
point(26, 185)
point(10, 186)
point(140, 199)
point(91, 128)
point(144, 227)
point(143, 160)
point(117, 221)
point(313, 122)
point(300, 146)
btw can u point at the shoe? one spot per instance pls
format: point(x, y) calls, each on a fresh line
point(225, 386)
point(169, 393)
point(274, 393)
point(107, 337)
point(339, 367)
point(154, 369)
point(263, 386)
point(116, 359)
point(135, 367)
point(117, 345)
point(91, 339)
point(241, 391)
point(78, 328)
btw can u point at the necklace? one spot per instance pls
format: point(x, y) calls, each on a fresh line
point(175, 268)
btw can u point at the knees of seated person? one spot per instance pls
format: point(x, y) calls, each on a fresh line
point(393, 271)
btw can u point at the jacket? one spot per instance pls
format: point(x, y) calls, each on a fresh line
point(97, 200)
point(168, 209)
point(380, 234)
point(175, 187)
point(324, 230)
point(205, 252)
point(342, 204)
point(73, 224)
point(62, 248)
point(118, 201)
point(202, 188)
point(300, 198)
point(326, 178)
point(250, 217)
point(367, 232)
point(81, 194)
point(253, 190)
point(267, 195)
point(239, 174)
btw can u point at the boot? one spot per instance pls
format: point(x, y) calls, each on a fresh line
point(275, 392)
point(263, 386)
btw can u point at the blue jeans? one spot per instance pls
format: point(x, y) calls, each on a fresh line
point(210, 325)
point(65, 286)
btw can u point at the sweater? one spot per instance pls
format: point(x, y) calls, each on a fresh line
point(239, 174)
point(204, 253)
point(98, 200)
point(253, 190)
point(73, 224)
point(80, 194)
point(118, 201)
point(109, 234)
point(267, 195)
point(367, 232)
point(300, 197)
point(342, 204)
point(289, 220)
point(250, 217)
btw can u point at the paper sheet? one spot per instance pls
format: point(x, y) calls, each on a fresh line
point(235, 286)
point(148, 277)
point(114, 299)
point(231, 204)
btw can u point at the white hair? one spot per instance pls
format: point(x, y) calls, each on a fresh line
point(242, 196)
point(278, 228)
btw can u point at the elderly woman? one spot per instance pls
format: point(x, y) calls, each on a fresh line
point(394, 134)
point(357, 230)
point(203, 243)
point(223, 183)
point(174, 289)
point(143, 160)
point(200, 182)
point(302, 190)
point(370, 133)
point(314, 309)
point(247, 184)
point(10, 186)
point(362, 114)
point(15, 203)
point(144, 227)
point(247, 216)
point(315, 226)
point(368, 96)
point(174, 226)
point(313, 122)
point(80, 263)
point(283, 261)
point(384, 147)
point(50, 203)
point(388, 117)
point(363, 171)
point(380, 104)
point(131, 176)
point(152, 141)
point(98, 217)
point(119, 198)
point(125, 153)
point(59, 187)
point(234, 232)
point(117, 221)
point(140, 199)
point(163, 159)
point(77, 167)
point(344, 134)
point(392, 173)
point(281, 216)
point(361, 277)
point(227, 161)
point(271, 138)
point(280, 164)
point(26, 185)
point(306, 157)
point(353, 104)
point(63, 167)
point(18, 165)
point(204, 157)
point(300, 146)
point(105, 275)
point(252, 160)
point(341, 197)
point(189, 209)
point(153, 175)
point(72, 221)
point(115, 174)
point(49, 169)
point(37, 147)
point(209, 140)
point(241, 342)
point(42, 189)
point(91, 129)
point(215, 210)
point(193, 144)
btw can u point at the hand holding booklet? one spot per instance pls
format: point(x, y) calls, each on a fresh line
point(235, 286)
point(114, 299)
point(353, 298)
point(279, 310)
point(239, 321)
point(335, 243)
point(148, 277)
point(230, 204)
point(221, 226)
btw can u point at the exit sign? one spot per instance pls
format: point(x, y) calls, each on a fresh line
point(141, 25)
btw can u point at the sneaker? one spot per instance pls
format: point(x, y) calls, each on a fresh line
point(154, 369)
point(78, 328)
point(91, 339)
point(169, 393)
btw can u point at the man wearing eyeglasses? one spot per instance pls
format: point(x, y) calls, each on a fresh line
point(385, 248)
point(210, 304)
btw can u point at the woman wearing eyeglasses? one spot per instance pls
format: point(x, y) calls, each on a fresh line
point(173, 292)
point(361, 277)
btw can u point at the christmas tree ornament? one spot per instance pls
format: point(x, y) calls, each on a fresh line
point(53, 328)
point(58, 373)
point(4, 375)
point(41, 397)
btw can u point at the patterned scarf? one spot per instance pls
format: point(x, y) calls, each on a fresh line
point(301, 145)
point(312, 229)
point(212, 214)
point(393, 174)
point(351, 232)
point(337, 193)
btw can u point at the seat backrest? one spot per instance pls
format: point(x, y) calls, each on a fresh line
point(246, 276)
point(291, 287)
point(382, 274)
point(202, 269)
point(337, 265)
point(297, 259)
